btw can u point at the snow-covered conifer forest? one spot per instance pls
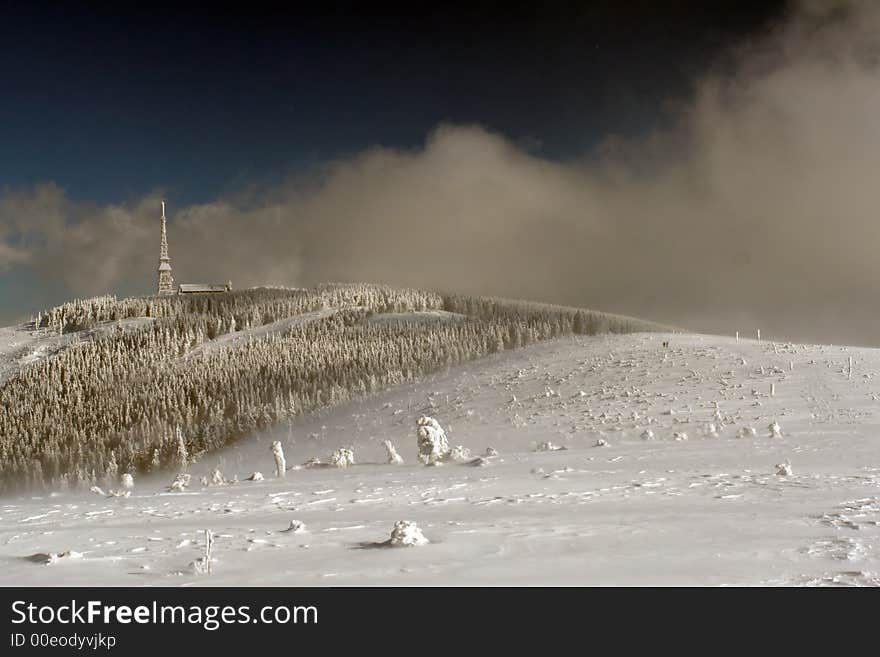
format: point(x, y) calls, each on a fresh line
point(209, 369)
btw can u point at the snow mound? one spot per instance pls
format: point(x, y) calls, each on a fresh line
point(296, 527)
point(55, 557)
point(547, 446)
point(407, 534)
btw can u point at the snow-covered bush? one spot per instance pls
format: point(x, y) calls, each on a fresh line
point(182, 456)
point(784, 469)
point(431, 441)
point(647, 434)
point(280, 463)
point(342, 458)
point(491, 451)
point(256, 476)
point(180, 483)
point(407, 534)
point(217, 478)
point(127, 480)
point(460, 453)
point(775, 430)
point(748, 432)
point(296, 527)
point(391, 453)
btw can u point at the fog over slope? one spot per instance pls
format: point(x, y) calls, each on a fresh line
point(757, 208)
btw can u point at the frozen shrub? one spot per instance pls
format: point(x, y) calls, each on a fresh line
point(181, 483)
point(391, 453)
point(431, 441)
point(181, 456)
point(217, 478)
point(280, 464)
point(296, 527)
point(407, 534)
point(784, 469)
point(342, 457)
point(460, 453)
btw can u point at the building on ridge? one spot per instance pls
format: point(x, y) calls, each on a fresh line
point(165, 282)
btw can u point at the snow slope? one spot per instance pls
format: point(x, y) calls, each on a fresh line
point(238, 338)
point(417, 316)
point(705, 510)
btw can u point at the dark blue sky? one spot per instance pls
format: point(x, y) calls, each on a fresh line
point(111, 104)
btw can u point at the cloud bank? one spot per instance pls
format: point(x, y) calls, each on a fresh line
point(759, 208)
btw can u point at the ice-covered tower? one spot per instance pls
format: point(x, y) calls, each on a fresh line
point(165, 283)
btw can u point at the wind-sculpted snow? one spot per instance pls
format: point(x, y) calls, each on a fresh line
point(710, 510)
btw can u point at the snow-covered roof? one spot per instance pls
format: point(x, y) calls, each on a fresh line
point(191, 288)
